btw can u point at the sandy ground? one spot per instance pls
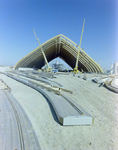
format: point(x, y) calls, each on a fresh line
point(99, 102)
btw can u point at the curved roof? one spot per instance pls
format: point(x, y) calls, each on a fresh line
point(63, 47)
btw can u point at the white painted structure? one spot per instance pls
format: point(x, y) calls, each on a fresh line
point(114, 68)
point(25, 69)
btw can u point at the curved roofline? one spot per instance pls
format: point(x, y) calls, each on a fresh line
point(69, 47)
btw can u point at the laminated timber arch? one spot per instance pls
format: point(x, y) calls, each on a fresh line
point(63, 47)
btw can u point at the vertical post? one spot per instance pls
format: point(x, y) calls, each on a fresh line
point(76, 66)
point(41, 49)
point(100, 62)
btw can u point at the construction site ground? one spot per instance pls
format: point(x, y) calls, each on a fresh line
point(98, 101)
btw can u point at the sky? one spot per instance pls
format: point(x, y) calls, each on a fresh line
point(52, 17)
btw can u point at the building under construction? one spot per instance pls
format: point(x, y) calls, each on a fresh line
point(64, 48)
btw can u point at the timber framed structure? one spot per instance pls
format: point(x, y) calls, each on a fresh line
point(63, 47)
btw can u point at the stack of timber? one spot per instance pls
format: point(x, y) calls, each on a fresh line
point(89, 76)
point(100, 80)
point(66, 110)
point(112, 84)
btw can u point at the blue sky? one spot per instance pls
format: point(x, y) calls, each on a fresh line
point(52, 17)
